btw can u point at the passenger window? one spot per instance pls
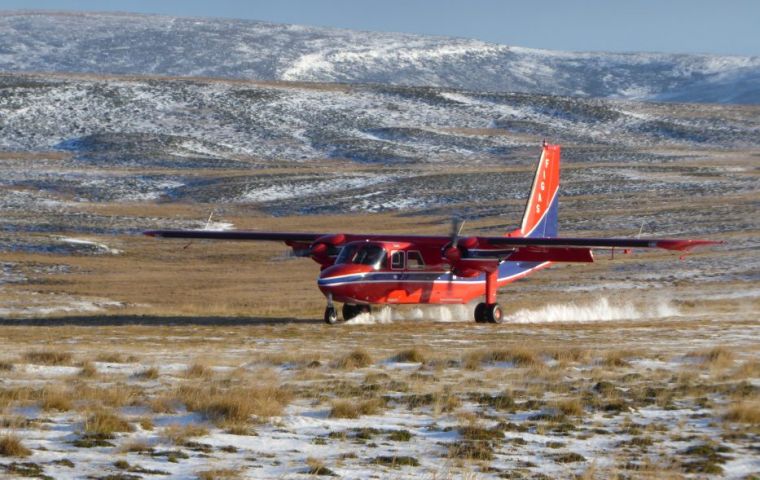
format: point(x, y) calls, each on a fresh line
point(414, 260)
point(397, 260)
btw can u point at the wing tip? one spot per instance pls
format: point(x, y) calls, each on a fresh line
point(685, 245)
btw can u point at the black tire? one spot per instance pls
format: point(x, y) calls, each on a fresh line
point(480, 311)
point(331, 316)
point(349, 311)
point(494, 314)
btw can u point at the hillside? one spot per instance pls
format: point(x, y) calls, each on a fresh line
point(161, 45)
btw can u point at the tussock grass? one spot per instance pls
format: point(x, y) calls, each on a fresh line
point(746, 411)
point(519, 356)
point(355, 409)
point(136, 446)
point(114, 396)
point(235, 404)
point(358, 358)
point(717, 357)
point(178, 434)
point(219, 474)
point(104, 423)
point(56, 398)
point(47, 357)
point(88, 370)
point(440, 401)
point(113, 357)
point(198, 370)
point(11, 446)
point(615, 358)
point(16, 396)
point(146, 423)
point(150, 373)
point(316, 466)
point(412, 355)
point(395, 461)
point(570, 407)
point(6, 365)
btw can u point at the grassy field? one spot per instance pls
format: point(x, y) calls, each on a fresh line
point(129, 357)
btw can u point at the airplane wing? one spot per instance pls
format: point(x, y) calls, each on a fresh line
point(484, 247)
point(236, 235)
point(598, 243)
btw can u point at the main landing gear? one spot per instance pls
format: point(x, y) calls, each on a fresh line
point(490, 311)
point(351, 311)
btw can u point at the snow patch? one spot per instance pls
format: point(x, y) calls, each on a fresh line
point(102, 247)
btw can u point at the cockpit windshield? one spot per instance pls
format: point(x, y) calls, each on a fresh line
point(362, 254)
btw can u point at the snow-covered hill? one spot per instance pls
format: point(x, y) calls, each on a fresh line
point(140, 44)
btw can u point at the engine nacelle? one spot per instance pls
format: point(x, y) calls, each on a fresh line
point(324, 249)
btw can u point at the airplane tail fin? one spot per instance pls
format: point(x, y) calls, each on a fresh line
point(541, 217)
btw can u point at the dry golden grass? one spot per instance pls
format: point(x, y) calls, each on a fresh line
point(115, 358)
point(615, 358)
point(11, 446)
point(150, 373)
point(746, 411)
point(236, 404)
point(114, 395)
point(520, 356)
point(16, 396)
point(178, 434)
point(219, 474)
point(88, 370)
point(146, 423)
point(198, 370)
point(356, 408)
point(47, 357)
point(135, 446)
point(358, 358)
point(104, 423)
point(717, 357)
point(412, 355)
point(570, 407)
point(56, 398)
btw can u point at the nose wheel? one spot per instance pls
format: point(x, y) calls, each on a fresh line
point(331, 315)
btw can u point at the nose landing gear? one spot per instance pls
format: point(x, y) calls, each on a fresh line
point(331, 315)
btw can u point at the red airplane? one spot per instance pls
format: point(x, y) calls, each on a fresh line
point(376, 269)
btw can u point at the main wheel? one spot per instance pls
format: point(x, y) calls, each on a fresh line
point(494, 314)
point(349, 311)
point(331, 316)
point(480, 311)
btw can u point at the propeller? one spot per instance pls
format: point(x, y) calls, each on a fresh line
point(451, 252)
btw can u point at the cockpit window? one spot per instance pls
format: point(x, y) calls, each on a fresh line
point(366, 254)
point(346, 254)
